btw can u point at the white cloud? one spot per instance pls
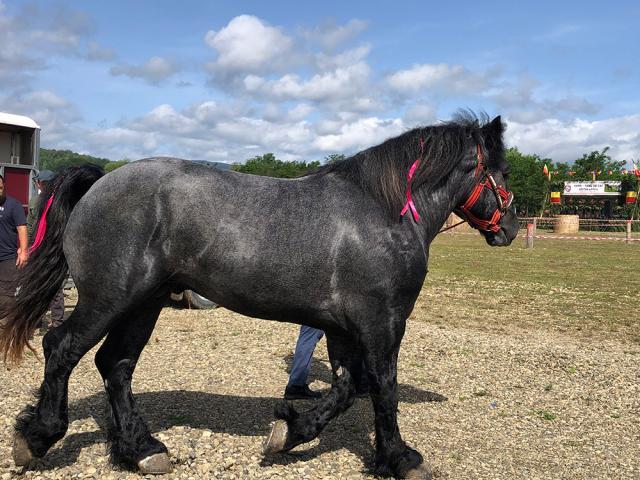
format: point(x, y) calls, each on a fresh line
point(566, 141)
point(439, 77)
point(358, 135)
point(345, 82)
point(55, 115)
point(118, 142)
point(154, 71)
point(196, 121)
point(247, 44)
point(212, 131)
point(560, 32)
point(164, 119)
point(211, 127)
point(518, 99)
point(275, 112)
point(96, 52)
point(292, 137)
point(344, 59)
point(420, 114)
point(331, 35)
point(301, 94)
point(209, 112)
point(32, 37)
point(300, 111)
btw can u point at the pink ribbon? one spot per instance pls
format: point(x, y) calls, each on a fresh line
point(42, 226)
point(409, 205)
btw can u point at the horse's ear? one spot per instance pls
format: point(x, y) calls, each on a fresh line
point(493, 132)
point(495, 128)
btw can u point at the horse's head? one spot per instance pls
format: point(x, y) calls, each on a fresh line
point(485, 200)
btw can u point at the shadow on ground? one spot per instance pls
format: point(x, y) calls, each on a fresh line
point(234, 415)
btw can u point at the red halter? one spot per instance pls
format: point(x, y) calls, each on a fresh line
point(503, 197)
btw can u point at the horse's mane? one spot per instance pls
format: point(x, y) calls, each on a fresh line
point(382, 170)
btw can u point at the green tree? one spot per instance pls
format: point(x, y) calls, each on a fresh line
point(526, 181)
point(561, 170)
point(334, 158)
point(57, 160)
point(268, 165)
point(598, 162)
point(112, 165)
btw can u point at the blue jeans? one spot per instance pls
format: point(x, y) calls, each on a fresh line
point(306, 344)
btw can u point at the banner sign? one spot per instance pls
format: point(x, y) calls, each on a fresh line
point(606, 188)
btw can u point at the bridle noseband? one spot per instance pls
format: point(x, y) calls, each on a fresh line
point(503, 198)
point(486, 180)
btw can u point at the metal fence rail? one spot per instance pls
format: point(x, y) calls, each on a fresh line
point(589, 229)
point(586, 224)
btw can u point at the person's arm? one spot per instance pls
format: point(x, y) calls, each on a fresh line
point(23, 246)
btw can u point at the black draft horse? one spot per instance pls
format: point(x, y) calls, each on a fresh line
point(344, 250)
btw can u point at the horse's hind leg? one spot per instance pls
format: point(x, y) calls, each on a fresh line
point(131, 442)
point(293, 428)
point(39, 427)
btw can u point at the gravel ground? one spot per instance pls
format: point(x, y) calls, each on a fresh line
point(519, 404)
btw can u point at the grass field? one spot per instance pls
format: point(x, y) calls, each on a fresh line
point(582, 288)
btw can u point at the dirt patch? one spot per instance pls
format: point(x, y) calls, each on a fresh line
point(521, 404)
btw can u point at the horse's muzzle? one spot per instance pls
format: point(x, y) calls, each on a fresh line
point(497, 239)
point(508, 230)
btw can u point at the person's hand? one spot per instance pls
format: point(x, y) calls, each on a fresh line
point(23, 257)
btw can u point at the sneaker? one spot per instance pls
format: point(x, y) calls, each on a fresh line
point(300, 392)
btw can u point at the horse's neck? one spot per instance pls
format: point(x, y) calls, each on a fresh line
point(434, 207)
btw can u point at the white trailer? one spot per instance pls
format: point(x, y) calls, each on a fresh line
point(19, 156)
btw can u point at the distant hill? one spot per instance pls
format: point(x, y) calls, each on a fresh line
point(218, 165)
point(57, 160)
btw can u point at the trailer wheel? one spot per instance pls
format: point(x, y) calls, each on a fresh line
point(193, 300)
point(177, 297)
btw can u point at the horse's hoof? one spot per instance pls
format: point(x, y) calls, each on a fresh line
point(421, 472)
point(156, 464)
point(277, 438)
point(21, 452)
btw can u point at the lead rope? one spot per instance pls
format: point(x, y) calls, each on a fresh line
point(452, 226)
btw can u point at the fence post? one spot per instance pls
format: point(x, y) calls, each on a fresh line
point(535, 225)
point(530, 227)
point(628, 239)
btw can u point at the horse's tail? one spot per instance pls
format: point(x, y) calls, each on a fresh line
point(41, 278)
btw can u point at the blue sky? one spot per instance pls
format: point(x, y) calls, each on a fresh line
point(226, 81)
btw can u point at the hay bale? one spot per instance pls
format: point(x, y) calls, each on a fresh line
point(566, 224)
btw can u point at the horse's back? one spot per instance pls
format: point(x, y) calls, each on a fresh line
point(134, 211)
point(181, 216)
point(262, 246)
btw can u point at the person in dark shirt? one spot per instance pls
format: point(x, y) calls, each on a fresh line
point(14, 251)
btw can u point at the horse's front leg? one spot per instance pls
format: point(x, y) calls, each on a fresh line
point(293, 428)
point(393, 456)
